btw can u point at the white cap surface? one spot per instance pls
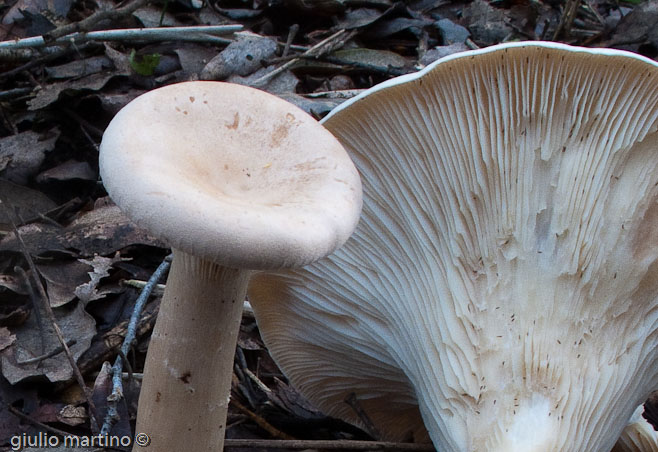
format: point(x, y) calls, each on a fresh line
point(231, 174)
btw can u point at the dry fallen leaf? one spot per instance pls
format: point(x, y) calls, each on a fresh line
point(21, 155)
point(101, 231)
point(101, 265)
point(62, 279)
point(75, 323)
point(72, 415)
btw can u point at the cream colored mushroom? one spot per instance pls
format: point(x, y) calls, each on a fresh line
point(235, 180)
point(638, 436)
point(501, 288)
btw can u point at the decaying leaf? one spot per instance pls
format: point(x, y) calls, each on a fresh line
point(6, 338)
point(317, 107)
point(76, 325)
point(101, 265)
point(371, 57)
point(358, 18)
point(79, 68)
point(69, 170)
point(285, 82)
point(72, 415)
point(50, 93)
point(13, 283)
point(101, 231)
point(21, 155)
point(26, 203)
point(637, 26)
point(193, 58)
point(241, 57)
point(486, 23)
point(10, 424)
point(63, 278)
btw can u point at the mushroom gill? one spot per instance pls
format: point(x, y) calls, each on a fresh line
point(502, 285)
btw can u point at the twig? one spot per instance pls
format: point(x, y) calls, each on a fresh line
point(369, 426)
point(84, 123)
point(46, 427)
point(53, 321)
point(40, 60)
point(112, 415)
point(50, 354)
point(471, 45)
point(88, 23)
point(291, 35)
point(566, 21)
point(138, 376)
point(339, 94)
point(327, 45)
point(593, 11)
point(158, 289)
point(386, 70)
point(327, 444)
point(35, 307)
point(262, 423)
point(203, 33)
point(21, 55)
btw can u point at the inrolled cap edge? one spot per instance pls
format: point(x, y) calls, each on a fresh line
point(246, 180)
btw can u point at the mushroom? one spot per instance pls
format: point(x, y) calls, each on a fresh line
point(235, 180)
point(638, 436)
point(502, 285)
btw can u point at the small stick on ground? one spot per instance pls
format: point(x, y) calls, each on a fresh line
point(328, 444)
point(566, 21)
point(201, 33)
point(291, 35)
point(50, 354)
point(112, 415)
point(88, 23)
point(323, 47)
point(369, 426)
point(261, 422)
point(46, 427)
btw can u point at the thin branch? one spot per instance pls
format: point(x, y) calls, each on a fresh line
point(327, 444)
point(353, 402)
point(50, 354)
point(323, 47)
point(49, 56)
point(566, 21)
point(35, 307)
point(203, 33)
point(31, 420)
point(291, 35)
point(386, 70)
point(112, 415)
point(89, 22)
point(338, 94)
point(261, 422)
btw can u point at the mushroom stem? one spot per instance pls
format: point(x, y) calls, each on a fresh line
point(187, 376)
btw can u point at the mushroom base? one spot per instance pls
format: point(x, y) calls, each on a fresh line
point(187, 377)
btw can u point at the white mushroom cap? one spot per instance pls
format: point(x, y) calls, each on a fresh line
point(231, 174)
point(504, 275)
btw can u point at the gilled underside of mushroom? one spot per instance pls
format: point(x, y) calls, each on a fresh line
point(502, 284)
point(638, 436)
